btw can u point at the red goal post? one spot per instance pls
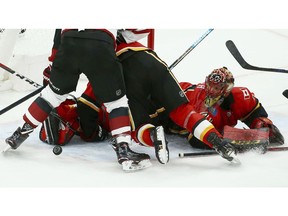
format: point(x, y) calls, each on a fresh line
point(150, 39)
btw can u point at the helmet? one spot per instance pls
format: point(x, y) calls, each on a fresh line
point(218, 85)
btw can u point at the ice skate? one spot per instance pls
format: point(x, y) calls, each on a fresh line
point(223, 148)
point(19, 136)
point(130, 160)
point(160, 144)
point(227, 151)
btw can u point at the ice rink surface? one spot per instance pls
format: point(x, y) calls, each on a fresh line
point(94, 166)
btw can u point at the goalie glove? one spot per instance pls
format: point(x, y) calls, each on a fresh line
point(275, 136)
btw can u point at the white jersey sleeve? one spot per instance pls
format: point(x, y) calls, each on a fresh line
point(133, 35)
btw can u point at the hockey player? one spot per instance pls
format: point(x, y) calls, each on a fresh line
point(152, 89)
point(91, 51)
point(89, 113)
point(150, 84)
point(223, 104)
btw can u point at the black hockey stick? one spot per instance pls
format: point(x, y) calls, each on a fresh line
point(236, 54)
point(212, 152)
point(21, 100)
point(31, 82)
point(285, 93)
point(191, 48)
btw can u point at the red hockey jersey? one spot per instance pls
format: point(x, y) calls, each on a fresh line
point(237, 106)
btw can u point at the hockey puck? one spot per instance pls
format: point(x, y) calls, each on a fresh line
point(285, 93)
point(57, 150)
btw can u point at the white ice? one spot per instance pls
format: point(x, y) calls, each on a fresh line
point(85, 165)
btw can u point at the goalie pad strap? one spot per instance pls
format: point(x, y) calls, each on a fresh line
point(51, 126)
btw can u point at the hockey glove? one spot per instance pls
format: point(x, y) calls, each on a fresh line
point(46, 75)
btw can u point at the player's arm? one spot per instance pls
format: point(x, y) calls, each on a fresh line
point(257, 117)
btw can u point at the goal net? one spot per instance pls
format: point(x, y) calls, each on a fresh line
point(25, 51)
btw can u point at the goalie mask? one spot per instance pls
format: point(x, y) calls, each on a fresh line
point(218, 85)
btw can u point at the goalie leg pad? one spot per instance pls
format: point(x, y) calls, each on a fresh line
point(54, 132)
point(247, 139)
point(49, 133)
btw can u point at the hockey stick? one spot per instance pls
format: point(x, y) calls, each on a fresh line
point(285, 93)
point(38, 86)
point(212, 152)
point(191, 48)
point(31, 82)
point(236, 54)
point(21, 100)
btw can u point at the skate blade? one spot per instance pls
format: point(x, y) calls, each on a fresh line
point(163, 156)
point(8, 147)
point(235, 161)
point(129, 166)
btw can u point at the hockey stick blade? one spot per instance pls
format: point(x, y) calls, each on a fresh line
point(212, 152)
point(285, 93)
point(237, 55)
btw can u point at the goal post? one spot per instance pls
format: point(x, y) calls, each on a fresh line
point(26, 51)
point(150, 40)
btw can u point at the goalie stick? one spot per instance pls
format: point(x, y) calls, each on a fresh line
point(212, 152)
point(31, 82)
point(237, 55)
point(191, 48)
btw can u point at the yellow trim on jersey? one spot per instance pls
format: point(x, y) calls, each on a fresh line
point(158, 111)
point(256, 107)
point(172, 75)
point(125, 49)
point(88, 103)
point(132, 123)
